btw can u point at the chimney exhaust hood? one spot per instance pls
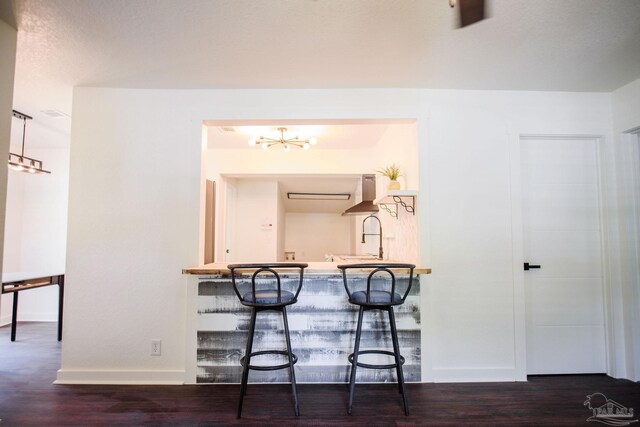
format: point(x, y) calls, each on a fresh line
point(366, 206)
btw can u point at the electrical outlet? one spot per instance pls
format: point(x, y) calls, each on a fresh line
point(156, 347)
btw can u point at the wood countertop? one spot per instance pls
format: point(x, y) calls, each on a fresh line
point(314, 268)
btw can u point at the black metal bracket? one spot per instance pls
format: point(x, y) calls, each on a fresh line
point(392, 212)
point(392, 207)
point(409, 208)
point(21, 116)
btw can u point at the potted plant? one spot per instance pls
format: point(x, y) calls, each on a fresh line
point(392, 172)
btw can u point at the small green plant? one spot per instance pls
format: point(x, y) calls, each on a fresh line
point(392, 172)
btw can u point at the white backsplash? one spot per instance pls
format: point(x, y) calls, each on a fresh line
point(400, 236)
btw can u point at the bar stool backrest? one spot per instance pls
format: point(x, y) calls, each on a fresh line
point(280, 292)
point(376, 297)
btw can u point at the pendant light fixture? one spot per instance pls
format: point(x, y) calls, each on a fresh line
point(286, 143)
point(20, 162)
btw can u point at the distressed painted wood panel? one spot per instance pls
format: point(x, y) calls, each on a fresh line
point(322, 325)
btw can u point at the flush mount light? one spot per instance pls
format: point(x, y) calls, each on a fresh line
point(319, 196)
point(20, 162)
point(286, 143)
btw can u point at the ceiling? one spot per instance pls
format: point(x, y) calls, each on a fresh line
point(555, 45)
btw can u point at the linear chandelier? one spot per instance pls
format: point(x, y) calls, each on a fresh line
point(20, 162)
point(286, 143)
point(318, 196)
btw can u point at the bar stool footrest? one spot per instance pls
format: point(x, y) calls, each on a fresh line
point(370, 366)
point(271, 367)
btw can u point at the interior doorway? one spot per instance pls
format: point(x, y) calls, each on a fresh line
point(209, 221)
point(230, 222)
point(562, 237)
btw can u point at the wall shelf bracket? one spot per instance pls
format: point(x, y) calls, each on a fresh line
point(394, 198)
point(391, 208)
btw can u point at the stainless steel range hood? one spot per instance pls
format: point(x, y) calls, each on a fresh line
point(366, 206)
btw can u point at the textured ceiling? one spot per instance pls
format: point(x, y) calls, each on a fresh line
point(557, 45)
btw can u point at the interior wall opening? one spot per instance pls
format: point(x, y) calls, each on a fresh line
point(256, 218)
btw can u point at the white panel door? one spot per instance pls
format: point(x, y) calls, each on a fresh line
point(230, 224)
point(561, 218)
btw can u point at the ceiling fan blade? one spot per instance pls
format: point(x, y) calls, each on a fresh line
point(471, 11)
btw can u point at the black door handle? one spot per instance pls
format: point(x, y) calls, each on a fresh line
point(528, 266)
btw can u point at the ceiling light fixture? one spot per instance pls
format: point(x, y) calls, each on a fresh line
point(286, 143)
point(318, 196)
point(20, 162)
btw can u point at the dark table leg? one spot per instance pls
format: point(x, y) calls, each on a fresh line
point(14, 316)
point(60, 304)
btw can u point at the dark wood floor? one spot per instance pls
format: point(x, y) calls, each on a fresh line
point(28, 397)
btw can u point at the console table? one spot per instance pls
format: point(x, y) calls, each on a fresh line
point(13, 283)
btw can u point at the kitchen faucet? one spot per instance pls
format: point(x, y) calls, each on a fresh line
point(373, 234)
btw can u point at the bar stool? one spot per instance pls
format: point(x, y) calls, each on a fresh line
point(264, 291)
point(384, 298)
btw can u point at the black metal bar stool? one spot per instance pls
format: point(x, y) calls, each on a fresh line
point(264, 291)
point(384, 298)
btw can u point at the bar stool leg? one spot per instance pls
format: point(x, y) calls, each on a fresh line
point(247, 360)
point(354, 365)
point(396, 350)
point(60, 305)
point(14, 316)
point(291, 367)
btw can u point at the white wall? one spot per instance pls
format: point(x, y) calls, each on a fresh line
point(133, 237)
point(8, 37)
point(401, 233)
point(134, 203)
point(626, 107)
point(13, 221)
point(312, 235)
point(398, 146)
point(36, 224)
point(626, 119)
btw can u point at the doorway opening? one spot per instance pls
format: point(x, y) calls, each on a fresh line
point(255, 220)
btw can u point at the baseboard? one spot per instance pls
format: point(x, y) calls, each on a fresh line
point(77, 376)
point(30, 317)
point(5, 320)
point(476, 375)
point(177, 377)
point(37, 317)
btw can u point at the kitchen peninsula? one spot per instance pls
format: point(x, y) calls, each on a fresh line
point(322, 326)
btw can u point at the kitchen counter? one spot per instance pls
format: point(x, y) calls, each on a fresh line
point(322, 325)
point(314, 267)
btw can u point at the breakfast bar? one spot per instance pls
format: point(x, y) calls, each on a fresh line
point(322, 323)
